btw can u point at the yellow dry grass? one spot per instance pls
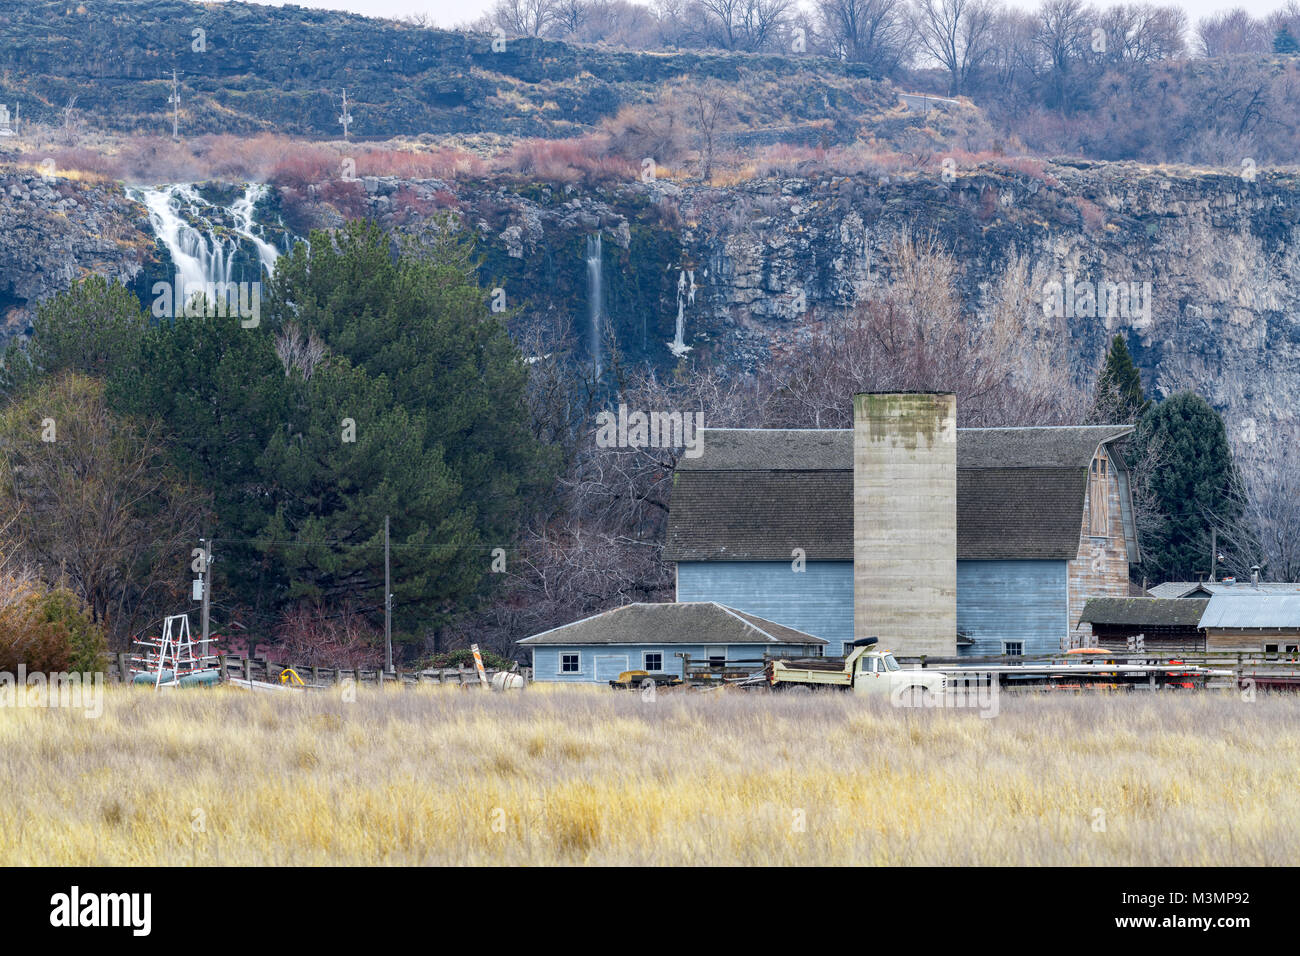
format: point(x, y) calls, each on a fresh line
point(587, 776)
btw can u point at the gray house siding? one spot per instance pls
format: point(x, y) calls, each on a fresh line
point(1023, 601)
point(603, 662)
point(817, 600)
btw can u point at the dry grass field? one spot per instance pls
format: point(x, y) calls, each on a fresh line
point(587, 776)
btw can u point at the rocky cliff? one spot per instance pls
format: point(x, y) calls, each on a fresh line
point(1210, 260)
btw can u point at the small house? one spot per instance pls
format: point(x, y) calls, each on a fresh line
point(656, 637)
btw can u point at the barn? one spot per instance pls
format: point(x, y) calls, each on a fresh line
point(942, 540)
point(653, 637)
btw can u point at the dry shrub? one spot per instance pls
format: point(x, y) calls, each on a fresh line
point(321, 636)
point(583, 159)
point(654, 129)
point(1094, 219)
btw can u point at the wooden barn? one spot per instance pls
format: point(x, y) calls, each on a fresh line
point(993, 538)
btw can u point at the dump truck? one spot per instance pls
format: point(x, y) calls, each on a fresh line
point(866, 669)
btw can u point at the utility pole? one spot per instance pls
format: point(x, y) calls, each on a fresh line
point(175, 101)
point(388, 607)
point(345, 118)
point(207, 589)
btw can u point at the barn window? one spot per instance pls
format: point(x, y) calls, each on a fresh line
point(1098, 495)
point(654, 660)
point(1013, 648)
point(570, 663)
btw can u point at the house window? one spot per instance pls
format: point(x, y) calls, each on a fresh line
point(570, 663)
point(1098, 497)
point(1270, 652)
point(654, 661)
point(1013, 648)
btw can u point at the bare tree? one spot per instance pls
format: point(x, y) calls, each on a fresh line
point(1268, 495)
point(1063, 40)
point(97, 502)
point(958, 34)
point(745, 24)
point(708, 107)
point(875, 32)
point(1143, 33)
point(914, 335)
point(1236, 31)
point(524, 18)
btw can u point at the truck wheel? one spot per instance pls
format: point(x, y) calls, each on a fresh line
point(799, 689)
point(917, 696)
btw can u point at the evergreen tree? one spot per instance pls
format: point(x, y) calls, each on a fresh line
point(419, 319)
point(1192, 485)
point(220, 389)
point(347, 457)
point(1119, 396)
point(92, 327)
point(1284, 42)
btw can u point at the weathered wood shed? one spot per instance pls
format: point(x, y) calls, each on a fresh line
point(1167, 625)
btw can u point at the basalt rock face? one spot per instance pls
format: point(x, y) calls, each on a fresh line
point(1212, 259)
point(54, 230)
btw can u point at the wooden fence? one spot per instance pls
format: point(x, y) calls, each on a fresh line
point(263, 669)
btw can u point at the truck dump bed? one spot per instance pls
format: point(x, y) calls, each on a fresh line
point(816, 663)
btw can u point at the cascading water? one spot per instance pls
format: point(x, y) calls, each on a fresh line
point(205, 239)
point(685, 296)
point(594, 299)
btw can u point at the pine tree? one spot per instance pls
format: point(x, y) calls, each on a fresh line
point(92, 327)
point(419, 319)
point(1119, 397)
point(1284, 42)
point(1192, 487)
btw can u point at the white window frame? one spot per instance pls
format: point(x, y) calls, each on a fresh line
point(645, 665)
point(563, 655)
point(1019, 644)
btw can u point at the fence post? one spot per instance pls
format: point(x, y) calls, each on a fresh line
point(224, 667)
point(121, 667)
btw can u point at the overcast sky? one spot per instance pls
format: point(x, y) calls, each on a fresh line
point(450, 13)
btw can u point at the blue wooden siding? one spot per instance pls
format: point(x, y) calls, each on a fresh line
point(603, 662)
point(1012, 601)
point(817, 600)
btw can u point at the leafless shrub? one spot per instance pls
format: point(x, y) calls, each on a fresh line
point(299, 351)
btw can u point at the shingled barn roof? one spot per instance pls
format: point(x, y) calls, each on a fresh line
point(757, 494)
point(684, 622)
point(1144, 612)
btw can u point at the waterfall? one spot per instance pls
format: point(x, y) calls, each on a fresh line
point(204, 238)
point(594, 299)
point(685, 296)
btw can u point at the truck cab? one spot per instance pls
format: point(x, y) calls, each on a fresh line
point(867, 669)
